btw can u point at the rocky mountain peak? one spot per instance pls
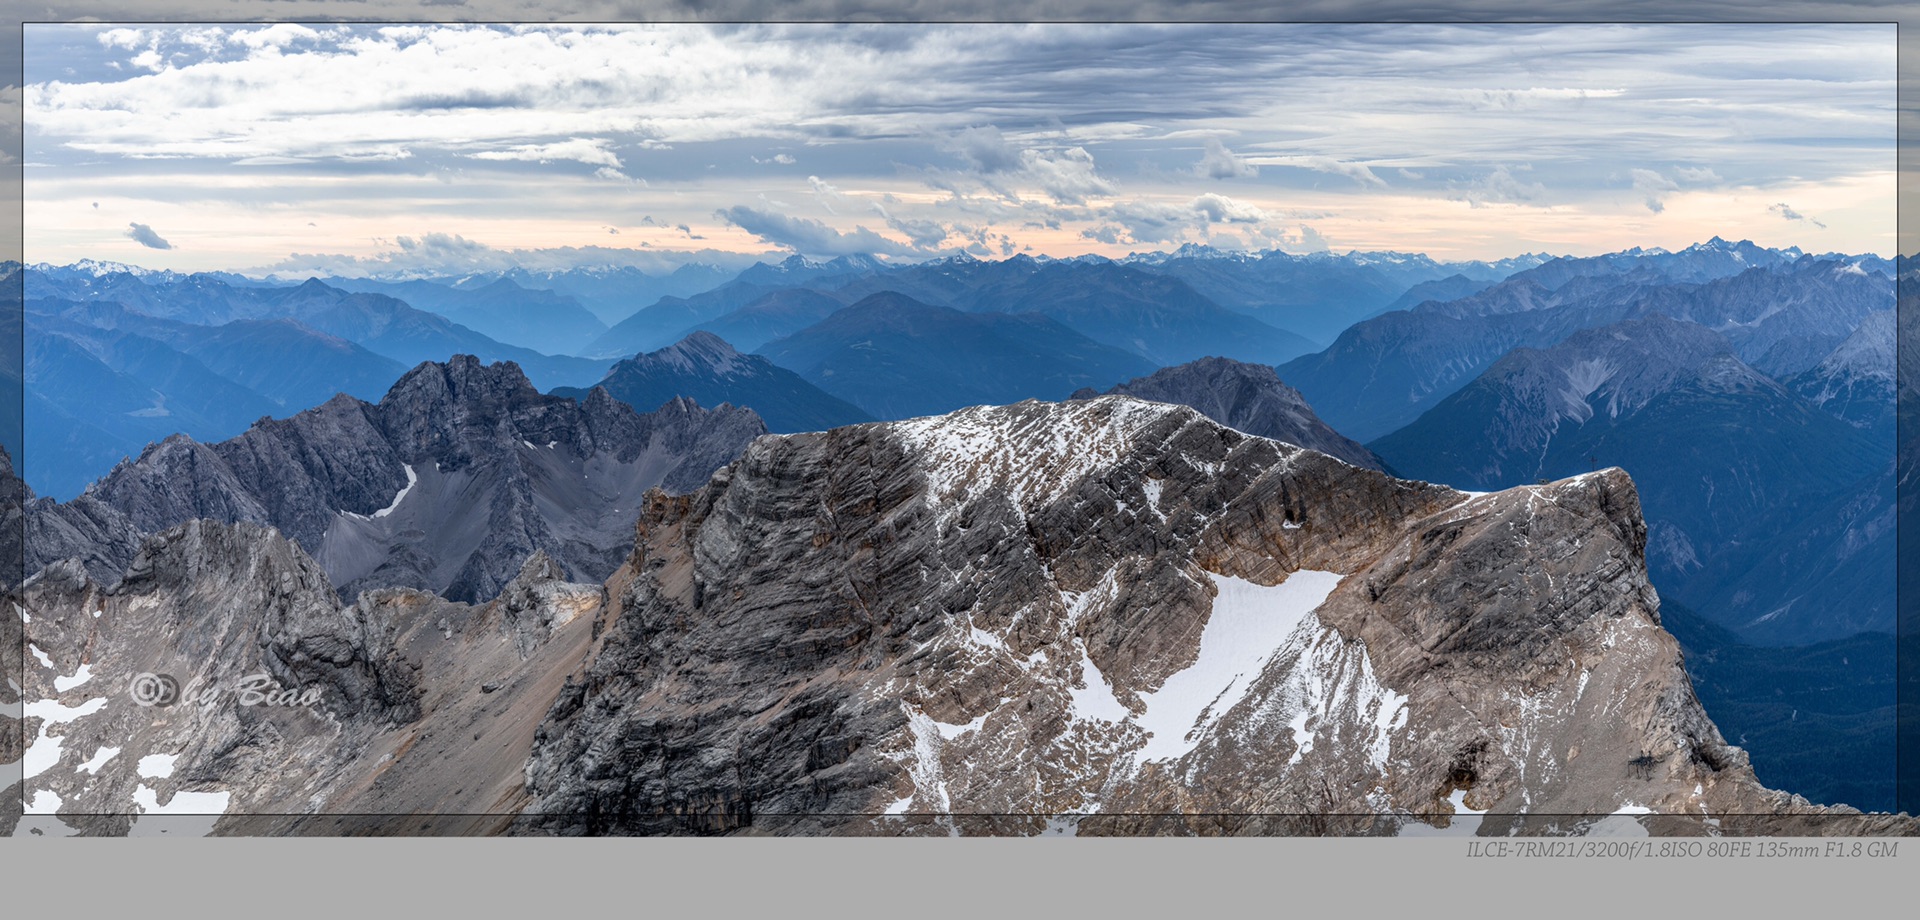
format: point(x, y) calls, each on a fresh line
point(461, 379)
point(1120, 606)
point(1867, 353)
point(704, 367)
point(880, 301)
point(453, 410)
point(160, 478)
point(1726, 373)
point(1248, 397)
point(598, 402)
point(1622, 366)
point(539, 568)
point(1033, 450)
point(224, 552)
point(448, 484)
point(699, 352)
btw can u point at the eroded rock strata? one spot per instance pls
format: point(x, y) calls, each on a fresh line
point(447, 484)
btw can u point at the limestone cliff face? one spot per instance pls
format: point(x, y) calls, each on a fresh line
point(973, 623)
point(1116, 606)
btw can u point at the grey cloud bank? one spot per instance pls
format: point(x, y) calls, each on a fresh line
point(1003, 136)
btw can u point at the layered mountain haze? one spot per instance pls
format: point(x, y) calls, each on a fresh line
point(1104, 606)
point(775, 315)
point(398, 331)
point(897, 358)
point(1382, 373)
point(1856, 380)
point(97, 396)
point(669, 319)
point(1157, 317)
point(542, 320)
point(204, 355)
point(1185, 593)
point(1727, 459)
point(384, 325)
point(672, 318)
point(294, 366)
point(707, 370)
point(447, 484)
point(1320, 294)
point(1452, 287)
point(610, 292)
point(290, 364)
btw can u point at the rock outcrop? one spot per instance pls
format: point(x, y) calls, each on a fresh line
point(447, 484)
point(222, 679)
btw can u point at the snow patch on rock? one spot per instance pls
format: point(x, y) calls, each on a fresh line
point(1249, 623)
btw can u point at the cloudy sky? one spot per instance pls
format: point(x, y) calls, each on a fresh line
point(365, 148)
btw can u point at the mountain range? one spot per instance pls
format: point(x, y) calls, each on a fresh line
point(611, 293)
point(1320, 294)
point(704, 368)
point(1719, 452)
point(895, 357)
point(502, 310)
point(1155, 316)
point(446, 484)
point(382, 324)
point(122, 360)
point(1748, 393)
point(672, 318)
point(1382, 373)
point(1105, 616)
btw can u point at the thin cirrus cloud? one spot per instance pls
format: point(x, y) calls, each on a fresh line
point(1059, 138)
point(1789, 213)
point(592, 152)
point(1360, 173)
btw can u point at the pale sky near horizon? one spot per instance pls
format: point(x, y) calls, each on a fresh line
point(359, 148)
